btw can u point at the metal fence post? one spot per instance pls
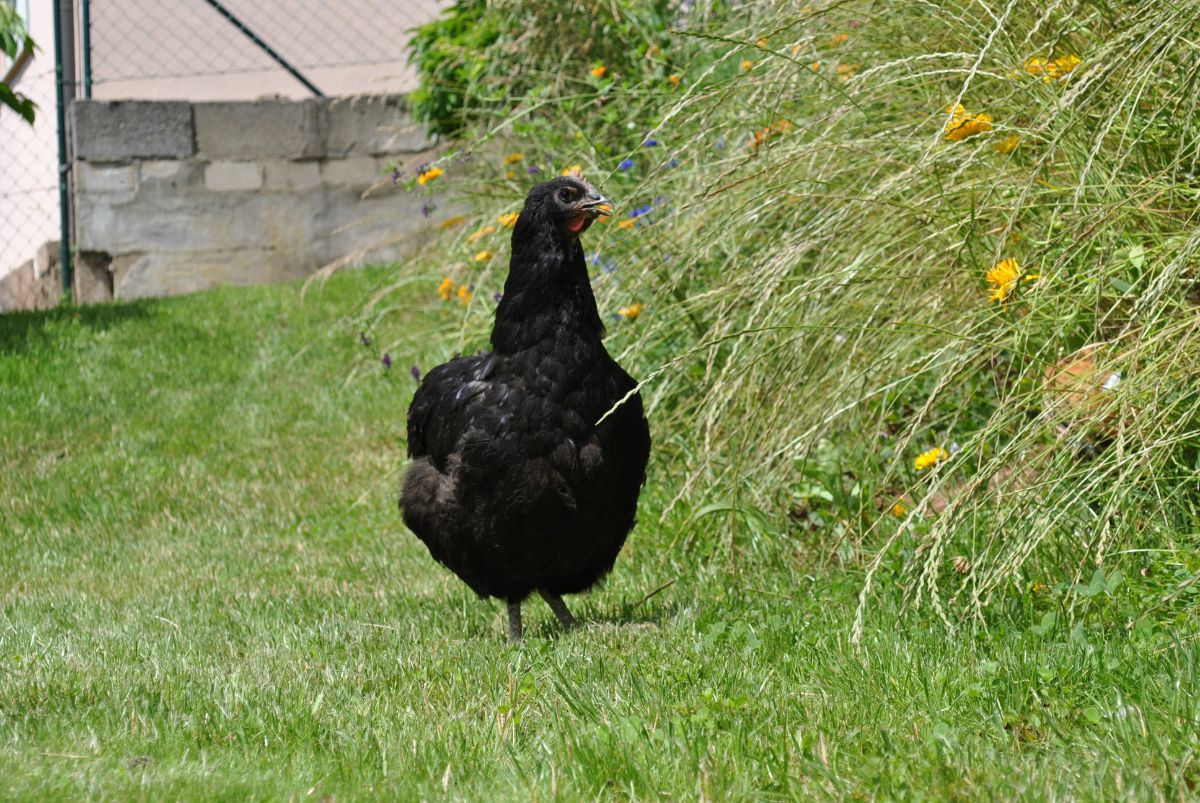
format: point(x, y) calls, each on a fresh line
point(264, 47)
point(64, 75)
point(85, 44)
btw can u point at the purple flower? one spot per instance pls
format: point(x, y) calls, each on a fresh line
point(386, 360)
point(533, 170)
point(625, 164)
point(428, 208)
point(416, 373)
point(720, 144)
point(673, 163)
point(650, 142)
point(397, 174)
point(496, 297)
point(362, 338)
point(641, 210)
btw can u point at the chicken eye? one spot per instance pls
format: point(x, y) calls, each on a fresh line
point(564, 195)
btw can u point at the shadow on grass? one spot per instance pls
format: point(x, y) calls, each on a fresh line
point(22, 331)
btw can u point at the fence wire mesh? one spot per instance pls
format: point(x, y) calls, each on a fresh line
point(28, 172)
point(188, 49)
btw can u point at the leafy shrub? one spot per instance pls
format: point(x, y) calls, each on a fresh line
point(481, 58)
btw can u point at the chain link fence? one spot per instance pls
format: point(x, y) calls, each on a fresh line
point(28, 173)
point(188, 50)
point(206, 49)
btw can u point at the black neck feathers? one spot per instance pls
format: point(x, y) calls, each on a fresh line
point(547, 295)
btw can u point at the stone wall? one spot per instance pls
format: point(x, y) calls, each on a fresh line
point(173, 197)
point(36, 283)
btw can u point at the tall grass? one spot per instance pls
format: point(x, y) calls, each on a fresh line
point(813, 274)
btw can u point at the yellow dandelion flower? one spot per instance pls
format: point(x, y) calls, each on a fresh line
point(451, 222)
point(508, 220)
point(1051, 69)
point(747, 64)
point(513, 158)
point(1063, 65)
point(627, 223)
point(1032, 277)
point(899, 510)
point(795, 50)
point(430, 175)
point(1003, 278)
point(1008, 144)
point(847, 71)
point(484, 256)
point(815, 66)
point(962, 125)
point(631, 312)
point(599, 70)
point(838, 39)
point(464, 295)
point(483, 232)
point(510, 175)
point(566, 171)
point(446, 289)
point(762, 41)
point(930, 458)
point(674, 79)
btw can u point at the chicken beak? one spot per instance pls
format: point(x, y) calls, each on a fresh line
point(596, 205)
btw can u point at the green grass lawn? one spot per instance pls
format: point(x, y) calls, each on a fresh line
point(208, 594)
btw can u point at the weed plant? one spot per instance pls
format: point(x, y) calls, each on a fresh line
point(849, 236)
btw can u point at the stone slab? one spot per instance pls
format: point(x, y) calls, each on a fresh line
point(373, 125)
point(262, 129)
point(123, 130)
point(163, 274)
point(358, 172)
point(106, 178)
point(286, 175)
point(233, 176)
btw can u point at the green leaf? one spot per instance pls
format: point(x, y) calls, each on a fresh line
point(1137, 256)
point(1046, 625)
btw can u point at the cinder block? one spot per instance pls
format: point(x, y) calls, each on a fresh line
point(160, 169)
point(173, 273)
point(261, 129)
point(106, 178)
point(233, 176)
point(283, 175)
point(377, 125)
point(121, 130)
point(357, 171)
point(195, 219)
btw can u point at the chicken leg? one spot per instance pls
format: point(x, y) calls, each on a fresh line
point(560, 609)
point(514, 622)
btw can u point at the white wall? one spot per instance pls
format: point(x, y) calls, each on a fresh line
point(29, 156)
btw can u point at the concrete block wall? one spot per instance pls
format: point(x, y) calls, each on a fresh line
point(173, 197)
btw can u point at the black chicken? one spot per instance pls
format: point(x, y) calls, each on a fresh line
point(516, 484)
